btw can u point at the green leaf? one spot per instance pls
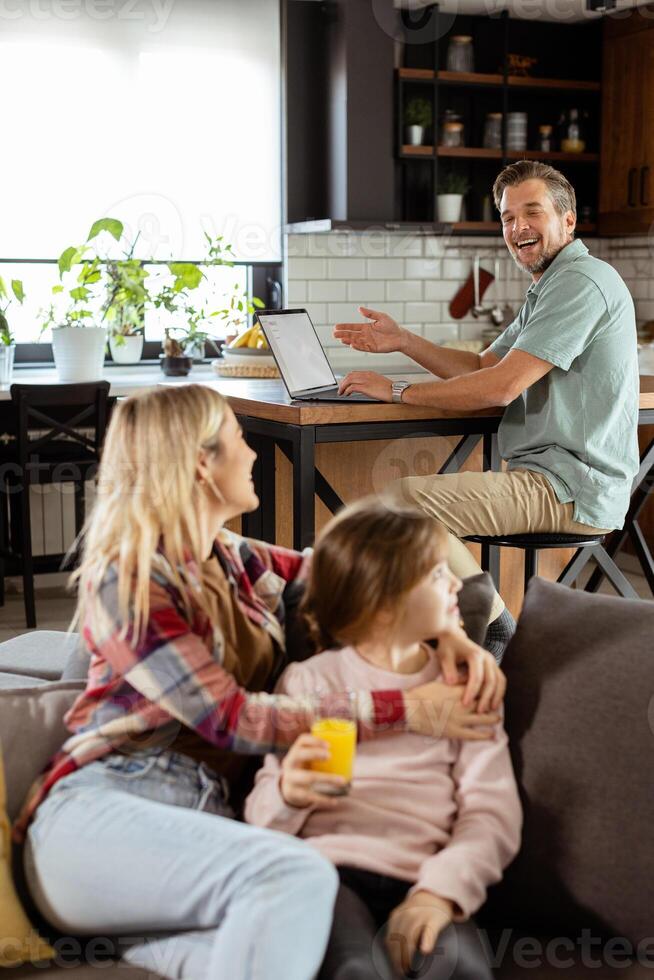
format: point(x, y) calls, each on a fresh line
point(18, 290)
point(112, 225)
point(58, 288)
point(3, 288)
point(68, 258)
point(79, 293)
point(187, 275)
point(258, 303)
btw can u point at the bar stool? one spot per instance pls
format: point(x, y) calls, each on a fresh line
point(59, 430)
point(590, 546)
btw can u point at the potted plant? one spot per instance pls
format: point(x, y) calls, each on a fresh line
point(78, 344)
point(452, 188)
point(7, 341)
point(192, 322)
point(174, 361)
point(124, 306)
point(417, 118)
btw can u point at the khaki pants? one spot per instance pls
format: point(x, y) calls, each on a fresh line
point(512, 502)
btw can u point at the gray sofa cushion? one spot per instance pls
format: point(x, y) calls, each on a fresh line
point(31, 731)
point(579, 716)
point(77, 664)
point(20, 680)
point(42, 653)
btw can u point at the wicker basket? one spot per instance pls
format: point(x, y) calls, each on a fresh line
point(245, 363)
point(242, 371)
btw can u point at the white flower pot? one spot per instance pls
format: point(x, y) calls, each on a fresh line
point(415, 135)
point(449, 207)
point(127, 352)
point(79, 352)
point(7, 352)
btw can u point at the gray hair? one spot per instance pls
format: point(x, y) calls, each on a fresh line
point(559, 187)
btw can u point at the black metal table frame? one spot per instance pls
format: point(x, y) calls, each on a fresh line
point(298, 443)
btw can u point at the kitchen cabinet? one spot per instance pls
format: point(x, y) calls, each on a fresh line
point(627, 154)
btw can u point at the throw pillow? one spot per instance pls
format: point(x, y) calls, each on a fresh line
point(31, 731)
point(19, 942)
point(579, 715)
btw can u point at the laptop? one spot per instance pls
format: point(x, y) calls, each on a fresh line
point(300, 357)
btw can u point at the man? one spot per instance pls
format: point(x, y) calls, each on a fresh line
point(565, 370)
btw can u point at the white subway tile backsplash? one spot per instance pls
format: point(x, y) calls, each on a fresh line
point(423, 312)
point(437, 332)
point(422, 268)
point(403, 246)
point(370, 291)
point(385, 268)
point(326, 335)
point(404, 290)
point(413, 278)
point(441, 289)
point(347, 268)
point(296, 292)
point(317, 312)
point(327, 290)
point(456, 269)
point(308, 268)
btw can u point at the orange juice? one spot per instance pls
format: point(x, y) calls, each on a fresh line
point(341, 736)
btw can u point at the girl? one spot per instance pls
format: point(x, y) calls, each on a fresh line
point(130, 830)
point(428, 825)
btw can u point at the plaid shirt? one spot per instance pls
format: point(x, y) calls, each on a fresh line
point(138, 691)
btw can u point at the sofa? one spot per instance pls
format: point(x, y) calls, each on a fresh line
point(578, 901)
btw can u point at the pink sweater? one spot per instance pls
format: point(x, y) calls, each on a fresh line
point(441, 813)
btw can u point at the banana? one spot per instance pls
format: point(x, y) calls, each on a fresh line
point(243, 340)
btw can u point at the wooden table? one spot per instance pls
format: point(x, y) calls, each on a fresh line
point(314, 456)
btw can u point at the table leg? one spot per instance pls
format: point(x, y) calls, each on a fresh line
point(261, 523)
point(304, 487)
point(490, 554)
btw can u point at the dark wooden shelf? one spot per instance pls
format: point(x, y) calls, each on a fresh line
point(572, 84)
point(481, 153)
point(495, 80)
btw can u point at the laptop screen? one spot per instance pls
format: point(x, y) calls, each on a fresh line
point(297, 349)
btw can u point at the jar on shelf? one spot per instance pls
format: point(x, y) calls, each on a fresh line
point(516, 131)
point(460, 54)
point(493, 131)
point(545, 138)
point(452, 134)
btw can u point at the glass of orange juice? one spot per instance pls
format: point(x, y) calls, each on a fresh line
point(341, 736)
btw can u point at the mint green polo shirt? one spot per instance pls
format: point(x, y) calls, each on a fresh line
point(578, 424)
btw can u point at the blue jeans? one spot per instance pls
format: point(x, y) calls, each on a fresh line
point(143, 849)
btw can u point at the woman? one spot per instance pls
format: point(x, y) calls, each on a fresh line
point(129, 830)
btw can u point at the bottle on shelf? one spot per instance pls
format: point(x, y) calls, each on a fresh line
point(545, 138)
point(573, 141)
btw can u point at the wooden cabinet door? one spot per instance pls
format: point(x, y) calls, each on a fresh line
point(626, 183)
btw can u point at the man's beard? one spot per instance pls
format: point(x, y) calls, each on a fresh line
point(543, 262)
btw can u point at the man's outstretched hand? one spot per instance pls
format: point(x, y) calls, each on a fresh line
point(379, 335)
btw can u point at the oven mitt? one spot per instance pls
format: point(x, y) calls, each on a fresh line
point(465, 298)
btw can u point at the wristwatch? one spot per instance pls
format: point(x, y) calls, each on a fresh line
point(397, 387)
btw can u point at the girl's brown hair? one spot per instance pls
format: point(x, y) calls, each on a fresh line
point(366, 559)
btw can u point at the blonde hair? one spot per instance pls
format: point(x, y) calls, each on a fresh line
point(147, 501)
point(366, 560)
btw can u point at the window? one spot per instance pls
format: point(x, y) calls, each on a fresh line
point(164, 114)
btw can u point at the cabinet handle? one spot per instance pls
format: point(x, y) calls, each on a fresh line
point(644, 186)
point(631, 193)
